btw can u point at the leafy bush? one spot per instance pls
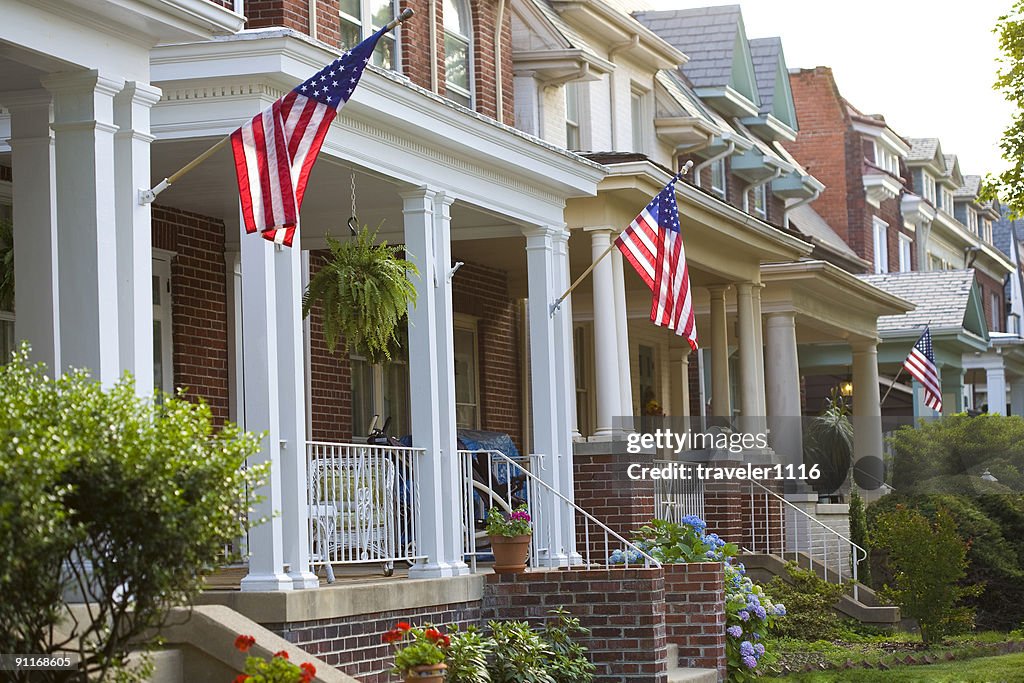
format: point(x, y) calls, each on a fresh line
point(828, 443)
point(671, 543)
point(467, 655)
point(569, 660)
point(124, 501)
point(750, 614)
point(927, 560)
point(810, 602)
point(521, 655)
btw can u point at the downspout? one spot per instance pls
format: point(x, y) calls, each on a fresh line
point(498, 89)
point(633, 42)
point(239, 7)
point(707, 162)
point(433, 46)
point(790, 207)
point(312, 18)
point(759, 183)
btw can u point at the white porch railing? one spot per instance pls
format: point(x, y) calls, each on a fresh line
point(363, 504)
point(675, 498)
point(499, 481)
point(775, 526)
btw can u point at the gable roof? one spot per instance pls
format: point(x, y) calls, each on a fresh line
point(810, 222)
point(709, 36)
point(945, 299)
point(765, 53)
point(922, 149)
point(970, 188)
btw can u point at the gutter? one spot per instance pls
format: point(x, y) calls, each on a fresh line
point(707, 162)
point(759, 183)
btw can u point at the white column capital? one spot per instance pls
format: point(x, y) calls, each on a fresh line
point(543, 234)
point(82, 81)
point(861, 346)
point(717, 292)
point(137, 92)
point(780, 319)
point(17, 100)
point(416, 198)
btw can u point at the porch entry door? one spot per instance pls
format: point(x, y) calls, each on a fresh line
point(163, 352)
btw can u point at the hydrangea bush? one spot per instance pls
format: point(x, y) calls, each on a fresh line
point(750, 612)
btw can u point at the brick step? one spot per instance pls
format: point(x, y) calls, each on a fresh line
point(679, 674)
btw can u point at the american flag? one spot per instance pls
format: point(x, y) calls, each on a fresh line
point(921, 364)
point(275, 151)
point(654, 246)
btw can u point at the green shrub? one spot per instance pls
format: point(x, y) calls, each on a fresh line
point(569, 661)
point(859, 535)
point(467, 655)
point(810, 604)
point(927, 561)
point(520, 654)
point(121, 500)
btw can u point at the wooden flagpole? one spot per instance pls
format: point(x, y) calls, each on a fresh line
point(558, 302)
point(147, 196)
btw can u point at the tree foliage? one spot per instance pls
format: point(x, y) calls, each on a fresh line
point(1008, 186)
point(6, 266)
point(118, 500)
point(828, 443)
point(364, 292)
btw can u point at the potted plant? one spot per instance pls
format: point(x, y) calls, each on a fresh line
point(364, 292)
point(277, 669)
point(420, 653)
point(510, 539)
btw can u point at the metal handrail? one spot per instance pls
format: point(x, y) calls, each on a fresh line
point(857, 552)
point(532, 482)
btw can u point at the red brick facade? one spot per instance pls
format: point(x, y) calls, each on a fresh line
point(330, 377)
point(695, 614)
point(293, 14)
point(989, 287)
point(735, 185)
point(604, 489)
point(199, 303)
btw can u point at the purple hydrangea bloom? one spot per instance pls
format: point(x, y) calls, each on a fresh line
point(760, 612)
point(744, 615)
point(749, 662)
point(734, 631)
point(747, 648)
point(758, 649)
point(780, 610)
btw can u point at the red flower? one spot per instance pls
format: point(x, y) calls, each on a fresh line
point(308, 669)
point(403, 626)
point(445, 641)
point(241, 678)
point(392, 636)
point(432, 634)
point(282, 654)
point(243, 643)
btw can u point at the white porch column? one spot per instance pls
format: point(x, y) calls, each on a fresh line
point(680, 381)
point(952, 382)
point(867, 411)
point(134, 232)
point(565, 383)
point(622, 340)
point(720, 404)
point(83, 105)
point(1017, 396)
point(35, 225)
point(782, 382)
point(751, 392)
point(291, 378)
point(995, 382)
point(431, 379)
point(262, 409)
point(606, 344)
point(543, 279)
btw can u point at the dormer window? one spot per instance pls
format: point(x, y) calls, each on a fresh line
point(929, 187)
point(361, 18)
point(947, 201)
point(972, 221)
point(458, 29)
point(719, 184)
point(759, 204)
point(885, 159)
point(572, 116)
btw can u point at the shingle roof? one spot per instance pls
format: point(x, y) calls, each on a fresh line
point(765, 54)
point(922, 149)
point(941, 297)
point(810, 222)
point(1002, 232)
point(706, 34)
point(573, 38)
point(970, 188)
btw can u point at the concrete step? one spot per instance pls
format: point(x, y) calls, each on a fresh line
point(679, 674)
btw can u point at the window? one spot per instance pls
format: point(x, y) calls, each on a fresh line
point(947, 201)
point(580, 366)
point(906, 246)
point(885, 159)
point(381, 390)
point(163, 352)
point(648, 391)
point(638, 120)
point(718, 181)
point(467, 378)
point(929, 187)
point(935, 263)
point(458, 77)
point(972, 221)
point(760, 203)
point(572, 116)
point(361, 18)
point(881, 244)
point(996, 304)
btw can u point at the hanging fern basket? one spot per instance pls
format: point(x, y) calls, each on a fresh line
point(363, 291)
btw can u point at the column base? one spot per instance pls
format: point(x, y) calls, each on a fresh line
point(558, 560)
point(438, 570)
point(266, 582)
point(303, 580)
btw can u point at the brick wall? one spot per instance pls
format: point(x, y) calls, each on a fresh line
point(199, 303)
point(695, 614)
point(224, 3)
point(989, 286)
point(293, 14)
point(485, 18)
point(604, 490)
point(723, 507)
point(330, 375)
point(623, 608)
point(353, 645)
point(416, 44)
point(482, 292)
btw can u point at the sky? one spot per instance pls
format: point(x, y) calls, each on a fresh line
point(928, 67)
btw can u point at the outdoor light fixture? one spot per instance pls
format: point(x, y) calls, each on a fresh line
point(846, 388)
point(988, 476)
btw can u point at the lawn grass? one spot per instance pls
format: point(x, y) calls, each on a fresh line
point(1002, 669)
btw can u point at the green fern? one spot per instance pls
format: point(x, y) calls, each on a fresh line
point(6, 265)
point(364, 291)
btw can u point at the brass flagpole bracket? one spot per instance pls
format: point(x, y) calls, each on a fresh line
point(558, 302)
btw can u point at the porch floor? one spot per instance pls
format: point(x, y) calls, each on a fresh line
point(230, 578)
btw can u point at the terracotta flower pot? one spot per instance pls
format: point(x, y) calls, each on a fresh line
point(427, 673)
point(510, 553)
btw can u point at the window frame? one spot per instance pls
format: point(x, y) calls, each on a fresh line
point(366, 28)
point(718, 168)
point(573, 127)
point(906, 251)
point(996, 303)
point(470, 94)
point(378, 386)
point(880, 237)
point(760, 192)
point(470, 324)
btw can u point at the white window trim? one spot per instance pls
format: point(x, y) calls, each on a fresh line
point(366, 29)
point(640, 125)
point(723, 191)
point(880, 234)
point(468, 323)
point(572, 94)
point(906, 253)
point(762, 192)
point(471, 95)
point(162, 262)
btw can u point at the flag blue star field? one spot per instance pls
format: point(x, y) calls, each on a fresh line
point(921, 364)
point(275, 151)
point(653, 245)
